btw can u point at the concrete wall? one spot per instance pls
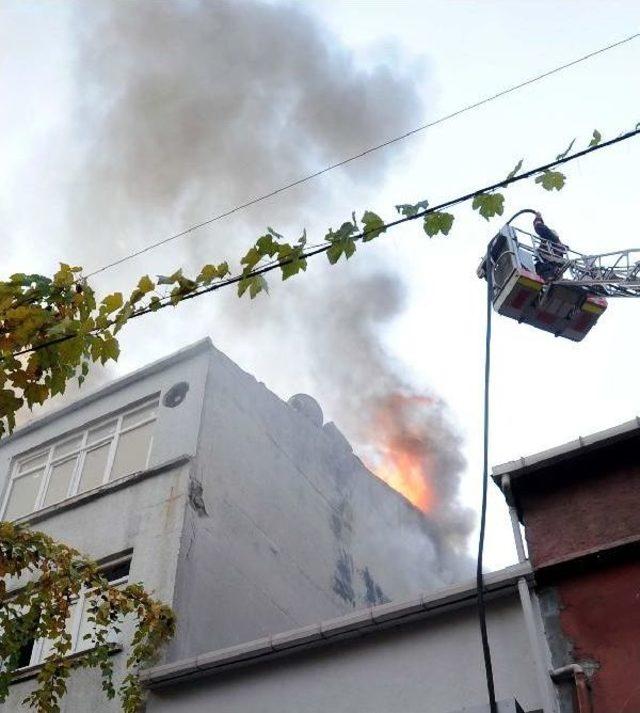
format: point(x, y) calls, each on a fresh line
point(433, 665)
point(286, 526)
point(145, 518)
point(143, 514)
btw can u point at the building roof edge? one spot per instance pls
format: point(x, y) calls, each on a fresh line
point(551, 456)
point(201, 345)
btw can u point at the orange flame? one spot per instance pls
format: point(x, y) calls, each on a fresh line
point(403, 460)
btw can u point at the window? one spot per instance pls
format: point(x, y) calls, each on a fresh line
point(117, 446)
point(78, 624)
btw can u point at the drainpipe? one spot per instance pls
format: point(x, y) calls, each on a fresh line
point(577, 673)
point(532, 622)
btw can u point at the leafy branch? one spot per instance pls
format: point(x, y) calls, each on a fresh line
point(53, 329)
point(57, 575)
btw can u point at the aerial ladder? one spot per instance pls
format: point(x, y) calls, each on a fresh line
point(538, 280)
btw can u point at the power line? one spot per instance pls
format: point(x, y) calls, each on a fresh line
point(355, 157)
point(324, 247)
point(482, 615)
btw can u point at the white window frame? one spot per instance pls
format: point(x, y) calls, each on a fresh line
point(79, 454)
point(77, 645)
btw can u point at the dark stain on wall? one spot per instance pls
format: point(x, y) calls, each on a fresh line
point(341, 520)
point(343, 578)
point(373, 594)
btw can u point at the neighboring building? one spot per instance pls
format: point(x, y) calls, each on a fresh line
point(564, 629)
point(250, 516)
point(286, 563)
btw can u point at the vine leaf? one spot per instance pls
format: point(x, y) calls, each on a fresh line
point(254, 283)
point(566, 151)
point(342, 242)
point(597, 136)
point(438, 222)
point(551, 180)
point(112, 302)
point(373, 226)
point(515, 170)
point(411, 209)
point(489, 204)
point(146, 284)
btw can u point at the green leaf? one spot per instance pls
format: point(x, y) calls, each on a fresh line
point(489, 204)
point(411, 209)
point(438, 222)
point(112, 302)
point(266, 245)
point(35, 393)
point(339, 248)
point(597, 136)
point(373, 226)
point(208, 274)
point(110, 349)
point(566, 151)
point(517, 167)
point(146, 284)
point(551, 179)
point(254, 283)
point(294, 267)
point(252, 258)
point(170, 279)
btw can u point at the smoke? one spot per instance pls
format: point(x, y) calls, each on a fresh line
point(187, 108)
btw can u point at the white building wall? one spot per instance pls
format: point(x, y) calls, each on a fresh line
point(432, 666)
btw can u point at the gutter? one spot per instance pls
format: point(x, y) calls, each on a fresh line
point(366, 621)
point(553, 456)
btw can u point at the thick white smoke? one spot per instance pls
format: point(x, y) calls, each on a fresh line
point(184, 108)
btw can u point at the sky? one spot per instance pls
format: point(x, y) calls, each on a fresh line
point(545, 391)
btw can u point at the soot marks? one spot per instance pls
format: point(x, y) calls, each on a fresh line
point(343, 578)
point(341, 520)
point(373, 594)
point(176, 394)
point(196, 498)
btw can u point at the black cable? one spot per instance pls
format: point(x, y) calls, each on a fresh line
point(482, 616)
point(366, 152)
point(273, 265)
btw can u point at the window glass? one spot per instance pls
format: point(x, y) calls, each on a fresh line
point(97, 434)
point(95, 462)
point(33, 462)
point(133, 448)
point(47, 644)
point(59, 480)
point(117, 576)
point(23, 494)
point(69, 446)
point(140, 415)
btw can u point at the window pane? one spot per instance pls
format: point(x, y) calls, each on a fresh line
point(133, 448)
point(47, 644)
point(59, 480)
point(141, 414)
point(97, 434)
point(95, 461)
point(33, 462)
point(69, 446)
point(22, 498)
point(86, 626)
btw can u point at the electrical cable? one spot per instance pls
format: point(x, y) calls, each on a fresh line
point(324, 247)
point(366, 152)
point(482, 616)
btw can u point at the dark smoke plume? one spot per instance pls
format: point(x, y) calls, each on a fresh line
point(186, 108)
